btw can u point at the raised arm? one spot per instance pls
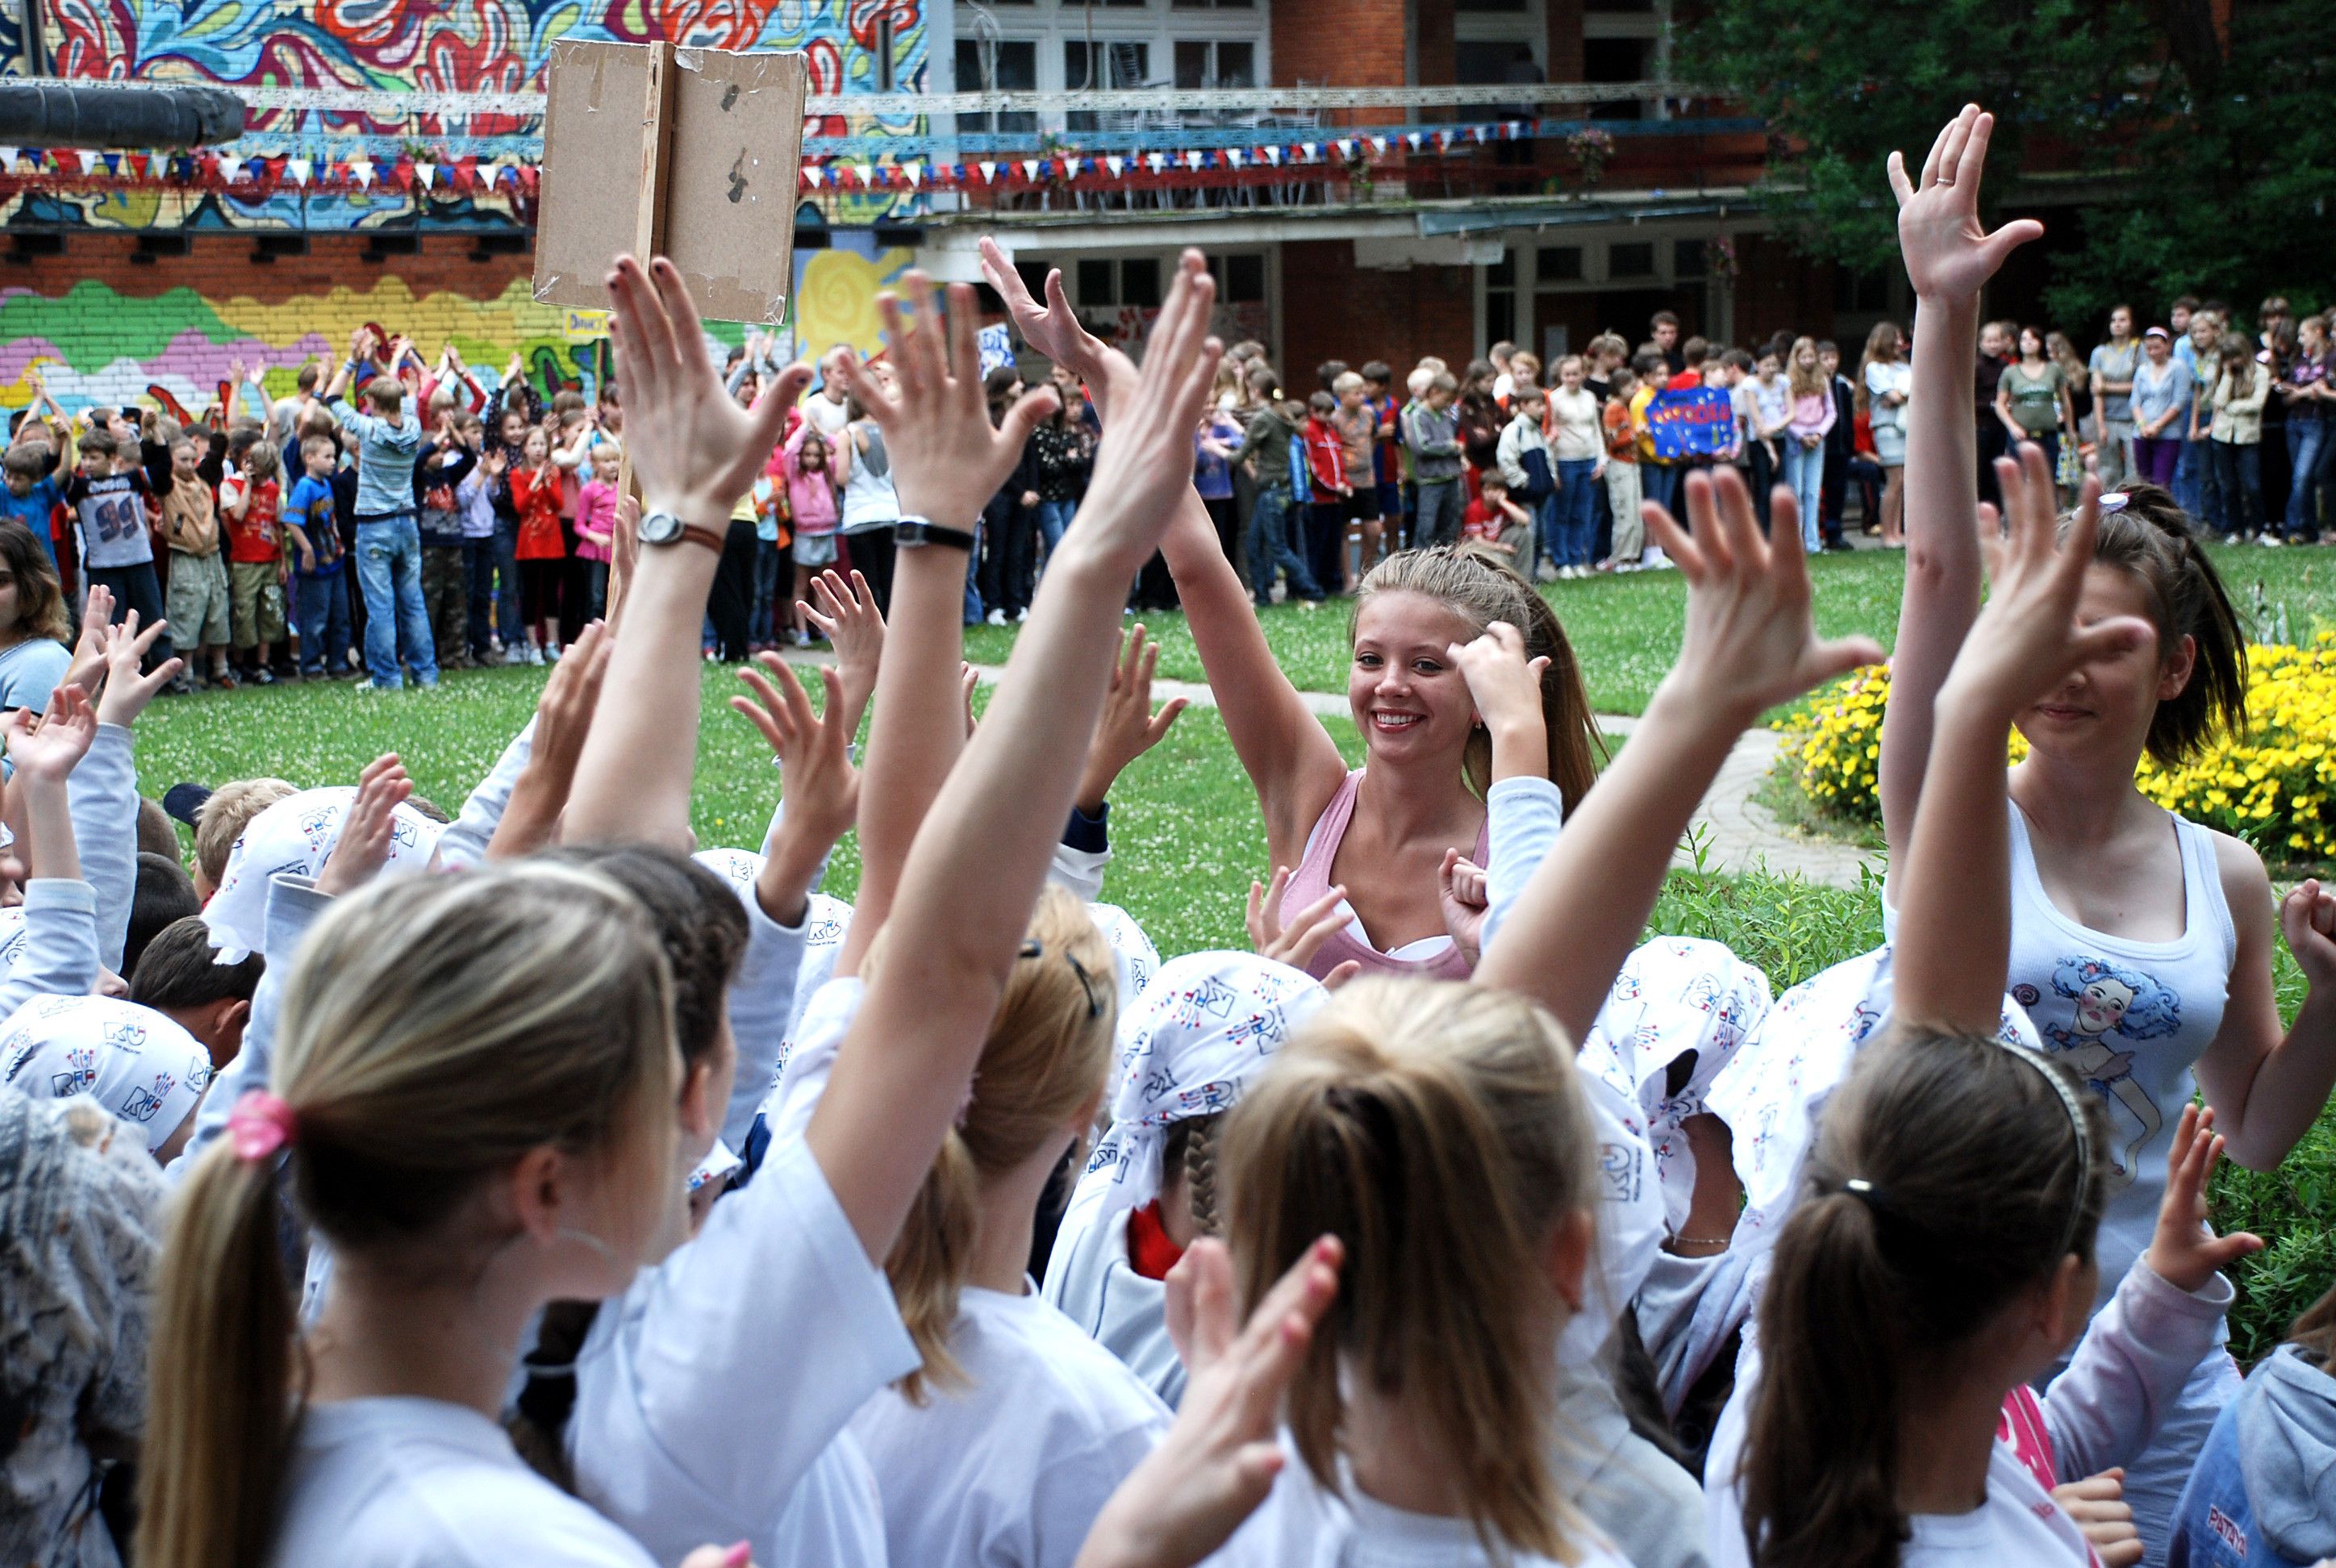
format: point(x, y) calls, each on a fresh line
point(977, 864)
point(1948, 259)
point(695, 451)
point(1289, 757)
point(1748, 645)
point(1953, 887)
point(947, 461)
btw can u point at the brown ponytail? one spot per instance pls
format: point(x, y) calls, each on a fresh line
point(2151, 538)
point(1190, 1147)
point(1048, 1053)
point(1439, 1131)
point(1949, 1178)
point(548, 1021)
point(1469, 581)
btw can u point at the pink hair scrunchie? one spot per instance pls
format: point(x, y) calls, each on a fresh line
point(259, 1125)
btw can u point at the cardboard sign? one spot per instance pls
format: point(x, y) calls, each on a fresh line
point(1695, 421)
point(584, 326)
point(689, 153)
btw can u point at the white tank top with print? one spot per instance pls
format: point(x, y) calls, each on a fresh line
point(2129, 1017)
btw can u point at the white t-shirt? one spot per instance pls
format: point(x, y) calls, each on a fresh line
point(400, 1483)
point(721, 1381)
point(1011, 1472)
point(1883, 377)
point(1302, 1525)
point(2019, 1524)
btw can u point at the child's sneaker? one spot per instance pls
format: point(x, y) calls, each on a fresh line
point(534, 654)
point(260, 674)
point(552, 653)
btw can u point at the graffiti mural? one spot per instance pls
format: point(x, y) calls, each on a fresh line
point(94, 347)
point(440, 46)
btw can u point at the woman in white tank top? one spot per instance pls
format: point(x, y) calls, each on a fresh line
point(2142, 944)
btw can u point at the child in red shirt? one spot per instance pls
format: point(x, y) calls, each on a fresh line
point(251, 503)
point(1492, 517)
point(1325, 515)
point(541, 551)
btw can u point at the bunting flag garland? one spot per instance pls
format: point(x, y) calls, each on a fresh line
point(252, 177)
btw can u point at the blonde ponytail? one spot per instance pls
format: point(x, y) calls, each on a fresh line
point(1047, 1054)
point(547, 1021)
point(1439, 1131)
point(221, 1378)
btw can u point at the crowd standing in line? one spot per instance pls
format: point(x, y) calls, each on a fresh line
point(537, 1184)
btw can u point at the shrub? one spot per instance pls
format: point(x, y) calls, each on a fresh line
point(2274, 786)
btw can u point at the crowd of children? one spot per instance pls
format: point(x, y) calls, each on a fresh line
point(525, 1187)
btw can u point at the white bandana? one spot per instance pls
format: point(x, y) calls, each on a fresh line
point(1202, 1031)
point(295, 837)
point(136, 1063)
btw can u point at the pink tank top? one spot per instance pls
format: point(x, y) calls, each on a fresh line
point(1311, 880)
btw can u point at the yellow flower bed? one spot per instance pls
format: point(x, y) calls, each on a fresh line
point(2274, 786)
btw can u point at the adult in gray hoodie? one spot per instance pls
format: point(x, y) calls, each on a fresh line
point(2264, 1494)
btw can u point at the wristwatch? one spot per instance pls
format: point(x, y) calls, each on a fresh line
point(664, 528)
point(914, 532)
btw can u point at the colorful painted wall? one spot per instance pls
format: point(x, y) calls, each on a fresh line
point(484, 46)
point(103, 329)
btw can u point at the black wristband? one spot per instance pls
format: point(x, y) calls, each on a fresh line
point(915, 532)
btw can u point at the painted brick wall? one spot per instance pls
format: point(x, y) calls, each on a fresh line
point(104, 329)
point(1342, 44)
point(1330, 309)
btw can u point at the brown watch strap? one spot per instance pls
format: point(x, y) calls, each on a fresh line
point(692, 534)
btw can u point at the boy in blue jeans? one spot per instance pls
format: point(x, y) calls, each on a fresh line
point(317, 576)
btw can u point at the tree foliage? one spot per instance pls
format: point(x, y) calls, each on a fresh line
point(2204, 159)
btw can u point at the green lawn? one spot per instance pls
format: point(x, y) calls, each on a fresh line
point(1187, 833)
point(1625, 630)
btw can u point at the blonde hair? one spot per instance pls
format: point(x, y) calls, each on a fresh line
point(1467, 581)
point(225, 815)
point(1804, 380)
point(1439, 1131)
point(1049, 1050)
point(547, 1020)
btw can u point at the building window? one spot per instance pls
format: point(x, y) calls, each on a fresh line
point(1011, 66)
point(1137, 5)
point(1240, 280)
point(1034, 276)
point(1134, 281)
point(1204, 64)
point(1479, 6)
point(1633, 260)
point(1103, 67)
point(1860, 293)
point(1209, 4)
point(1501, 299)
point(1558, 264)
point(1686, 259)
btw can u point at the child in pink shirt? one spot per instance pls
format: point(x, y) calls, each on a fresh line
point(595, 521)
point(811, 504)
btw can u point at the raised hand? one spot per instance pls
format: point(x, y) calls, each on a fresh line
point(823, 787)
point(738, 1556)
point(2185, 1252)
point(46, 746)
point(1949, 253)
point(847, 616)
point(2097, 1506)
point(563, 723)
point(1219, 1460)
point(1128, 728)
point(1053, 329)
point(1506, 688)
point(88, 666)
point(695, 450)
point(127, 691)
point(2026, 640)
point(1296, 941)
point(947, 461)
point(367, 827)
point(2308, 916)
point(1750, 643)
point(1463, 892)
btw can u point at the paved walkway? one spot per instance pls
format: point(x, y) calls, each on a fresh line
point(1738, 833)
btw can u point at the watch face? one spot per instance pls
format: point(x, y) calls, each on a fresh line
point(660, 528)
